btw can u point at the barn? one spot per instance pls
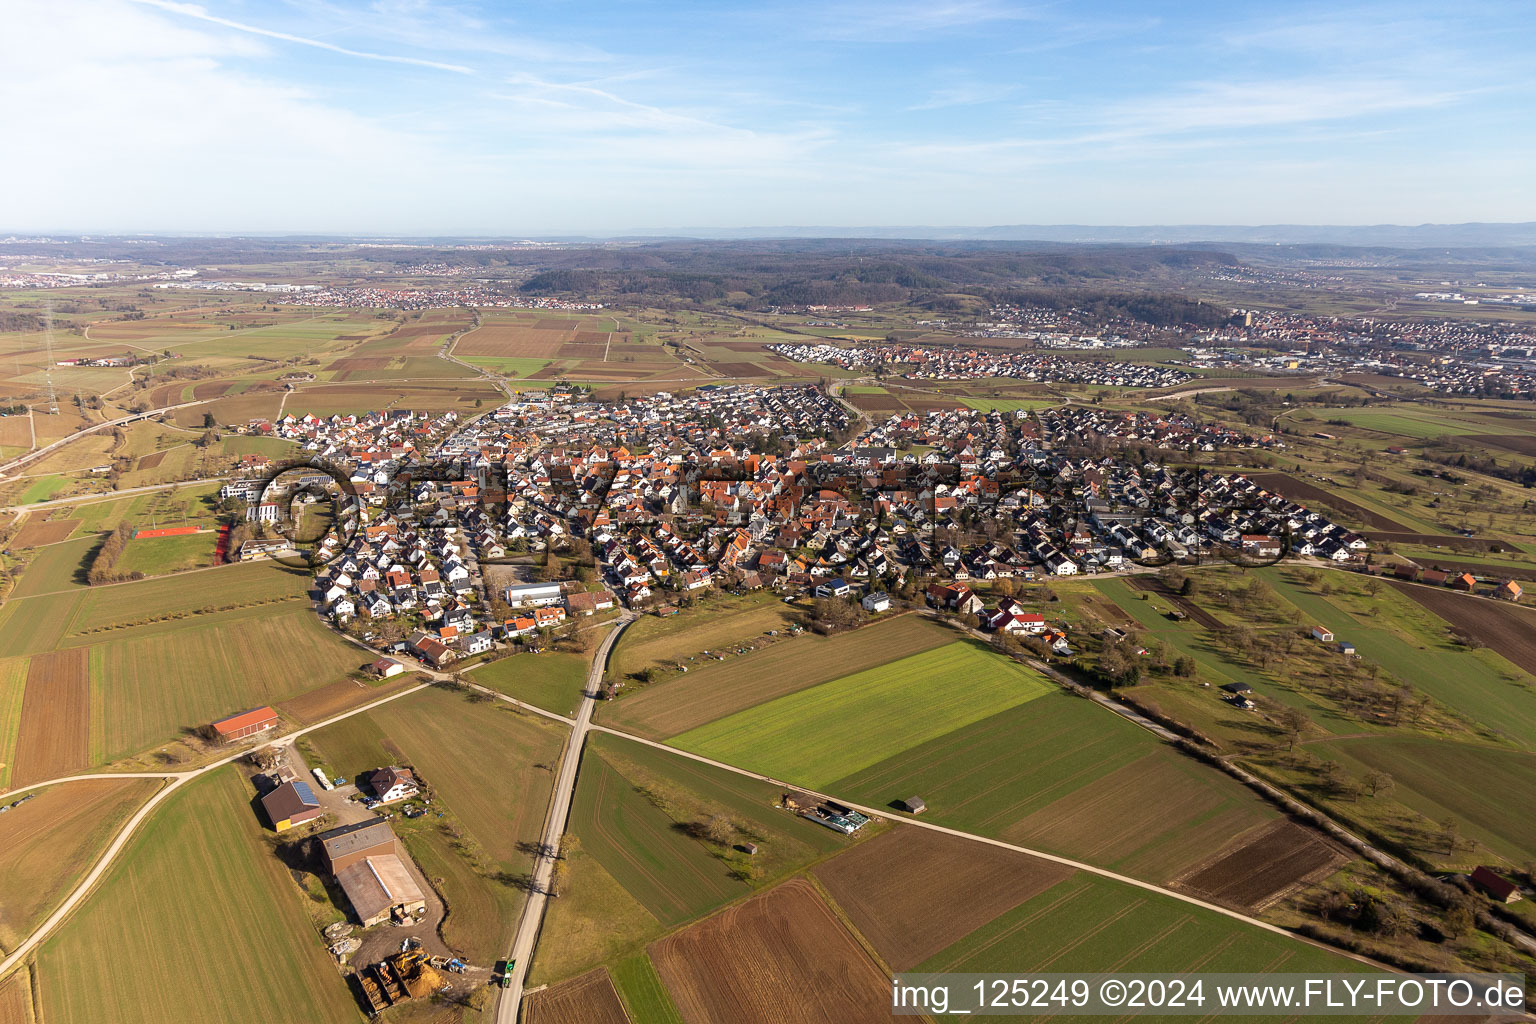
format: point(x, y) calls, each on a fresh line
point(379, 888)
point(246, 723)
point(290, 804)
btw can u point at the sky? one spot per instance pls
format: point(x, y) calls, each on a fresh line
point(549, 117)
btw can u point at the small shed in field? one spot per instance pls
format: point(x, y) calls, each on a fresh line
point(914, 805)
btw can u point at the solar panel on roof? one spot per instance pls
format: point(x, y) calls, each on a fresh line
point(305, 793)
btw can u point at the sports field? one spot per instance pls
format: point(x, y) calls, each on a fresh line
point(156, 556)
point(211, 920)
point(827, 732)
point(723, 688)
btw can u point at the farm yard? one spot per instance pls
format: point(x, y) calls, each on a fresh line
point(216, 891)
point(717, 690)
point(816, 736)
point(782, 955)
point(913, 892)
point(49, 842)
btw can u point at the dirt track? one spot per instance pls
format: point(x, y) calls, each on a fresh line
point(914, 893)
point(1505, 628)
point(55, 717)
point(589, 999)
point(778, 958)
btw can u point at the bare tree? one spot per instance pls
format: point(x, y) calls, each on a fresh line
point(1380, 782)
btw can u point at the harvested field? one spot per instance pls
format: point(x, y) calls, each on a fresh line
point(592, 338)
point(49, 842)
point(589, 999)
point(1261, 867)
point(342, 695)
point(778, 958)
point(210, 389)
point(359, 363)
point(723, 688)
point(1524, 444)
point(150, 461)
point(506, 340)
point(1310, 495)
point(1505, 628)
point(1445, 540)
point(1502, 572)
point(1195, 612)
point(914, 892)
point(16, 431)
point(1105, 610)
point(739, 369)
point(556, 325)
point(870, 403)
point(39, 531)
point(55, 717)
point(16, 998)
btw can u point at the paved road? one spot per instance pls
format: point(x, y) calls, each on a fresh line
point(177, 780)
point(82, 499)
point(554, 829)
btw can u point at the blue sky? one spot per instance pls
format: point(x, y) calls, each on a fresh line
point(420, 116)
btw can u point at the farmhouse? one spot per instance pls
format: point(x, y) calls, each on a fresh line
point(290, 804)
point(1464, 581)
point(391, 784)
point(1508, 591)
point(246, 723)
point(1495, 885)
point(381, 887)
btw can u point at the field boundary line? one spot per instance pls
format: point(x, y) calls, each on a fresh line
point(1066, 861)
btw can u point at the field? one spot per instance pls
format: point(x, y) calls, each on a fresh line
point(913, 892)
point(1093, 923)
point(320, 704)
point(552, 681)
point(721, 622)
point(641, 991)
point(1259, 869)
point(55, 718)
point(13, 687)
point(155, 556)
point(777, 957)
point(148, 686)
point(49, 842)
point(16, 998)
point(220, 925)
point(1063, 775)
point(38, 532)
point(55, 568)
point(589, 999)
point(724, 688)
point(829, 731)
point(1477, 785)
point(1504, 628)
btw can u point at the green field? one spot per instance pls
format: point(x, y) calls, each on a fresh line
point(641, 991)
point(212, 922)
point(1063, 775)
point(1008, 404)
point(156, 556)
point(509, 366)
point(43, 488)
point(13, 681)
point(551, 680)
point(1093, 923)
point(146, 688)
point(56, 567)
point(721, 621)
point(723, 688)
point(35, 624)
point(1475, 784)
point(830, 731)
point(1406, 423)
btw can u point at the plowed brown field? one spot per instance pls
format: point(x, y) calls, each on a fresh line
point(55, 717)
point(589, 999)
point(505, 340)
point(914, 892)
point(342, 695)
point(49, 531)
point(1505, 628)
point(1264, 865)
point(778, 958)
